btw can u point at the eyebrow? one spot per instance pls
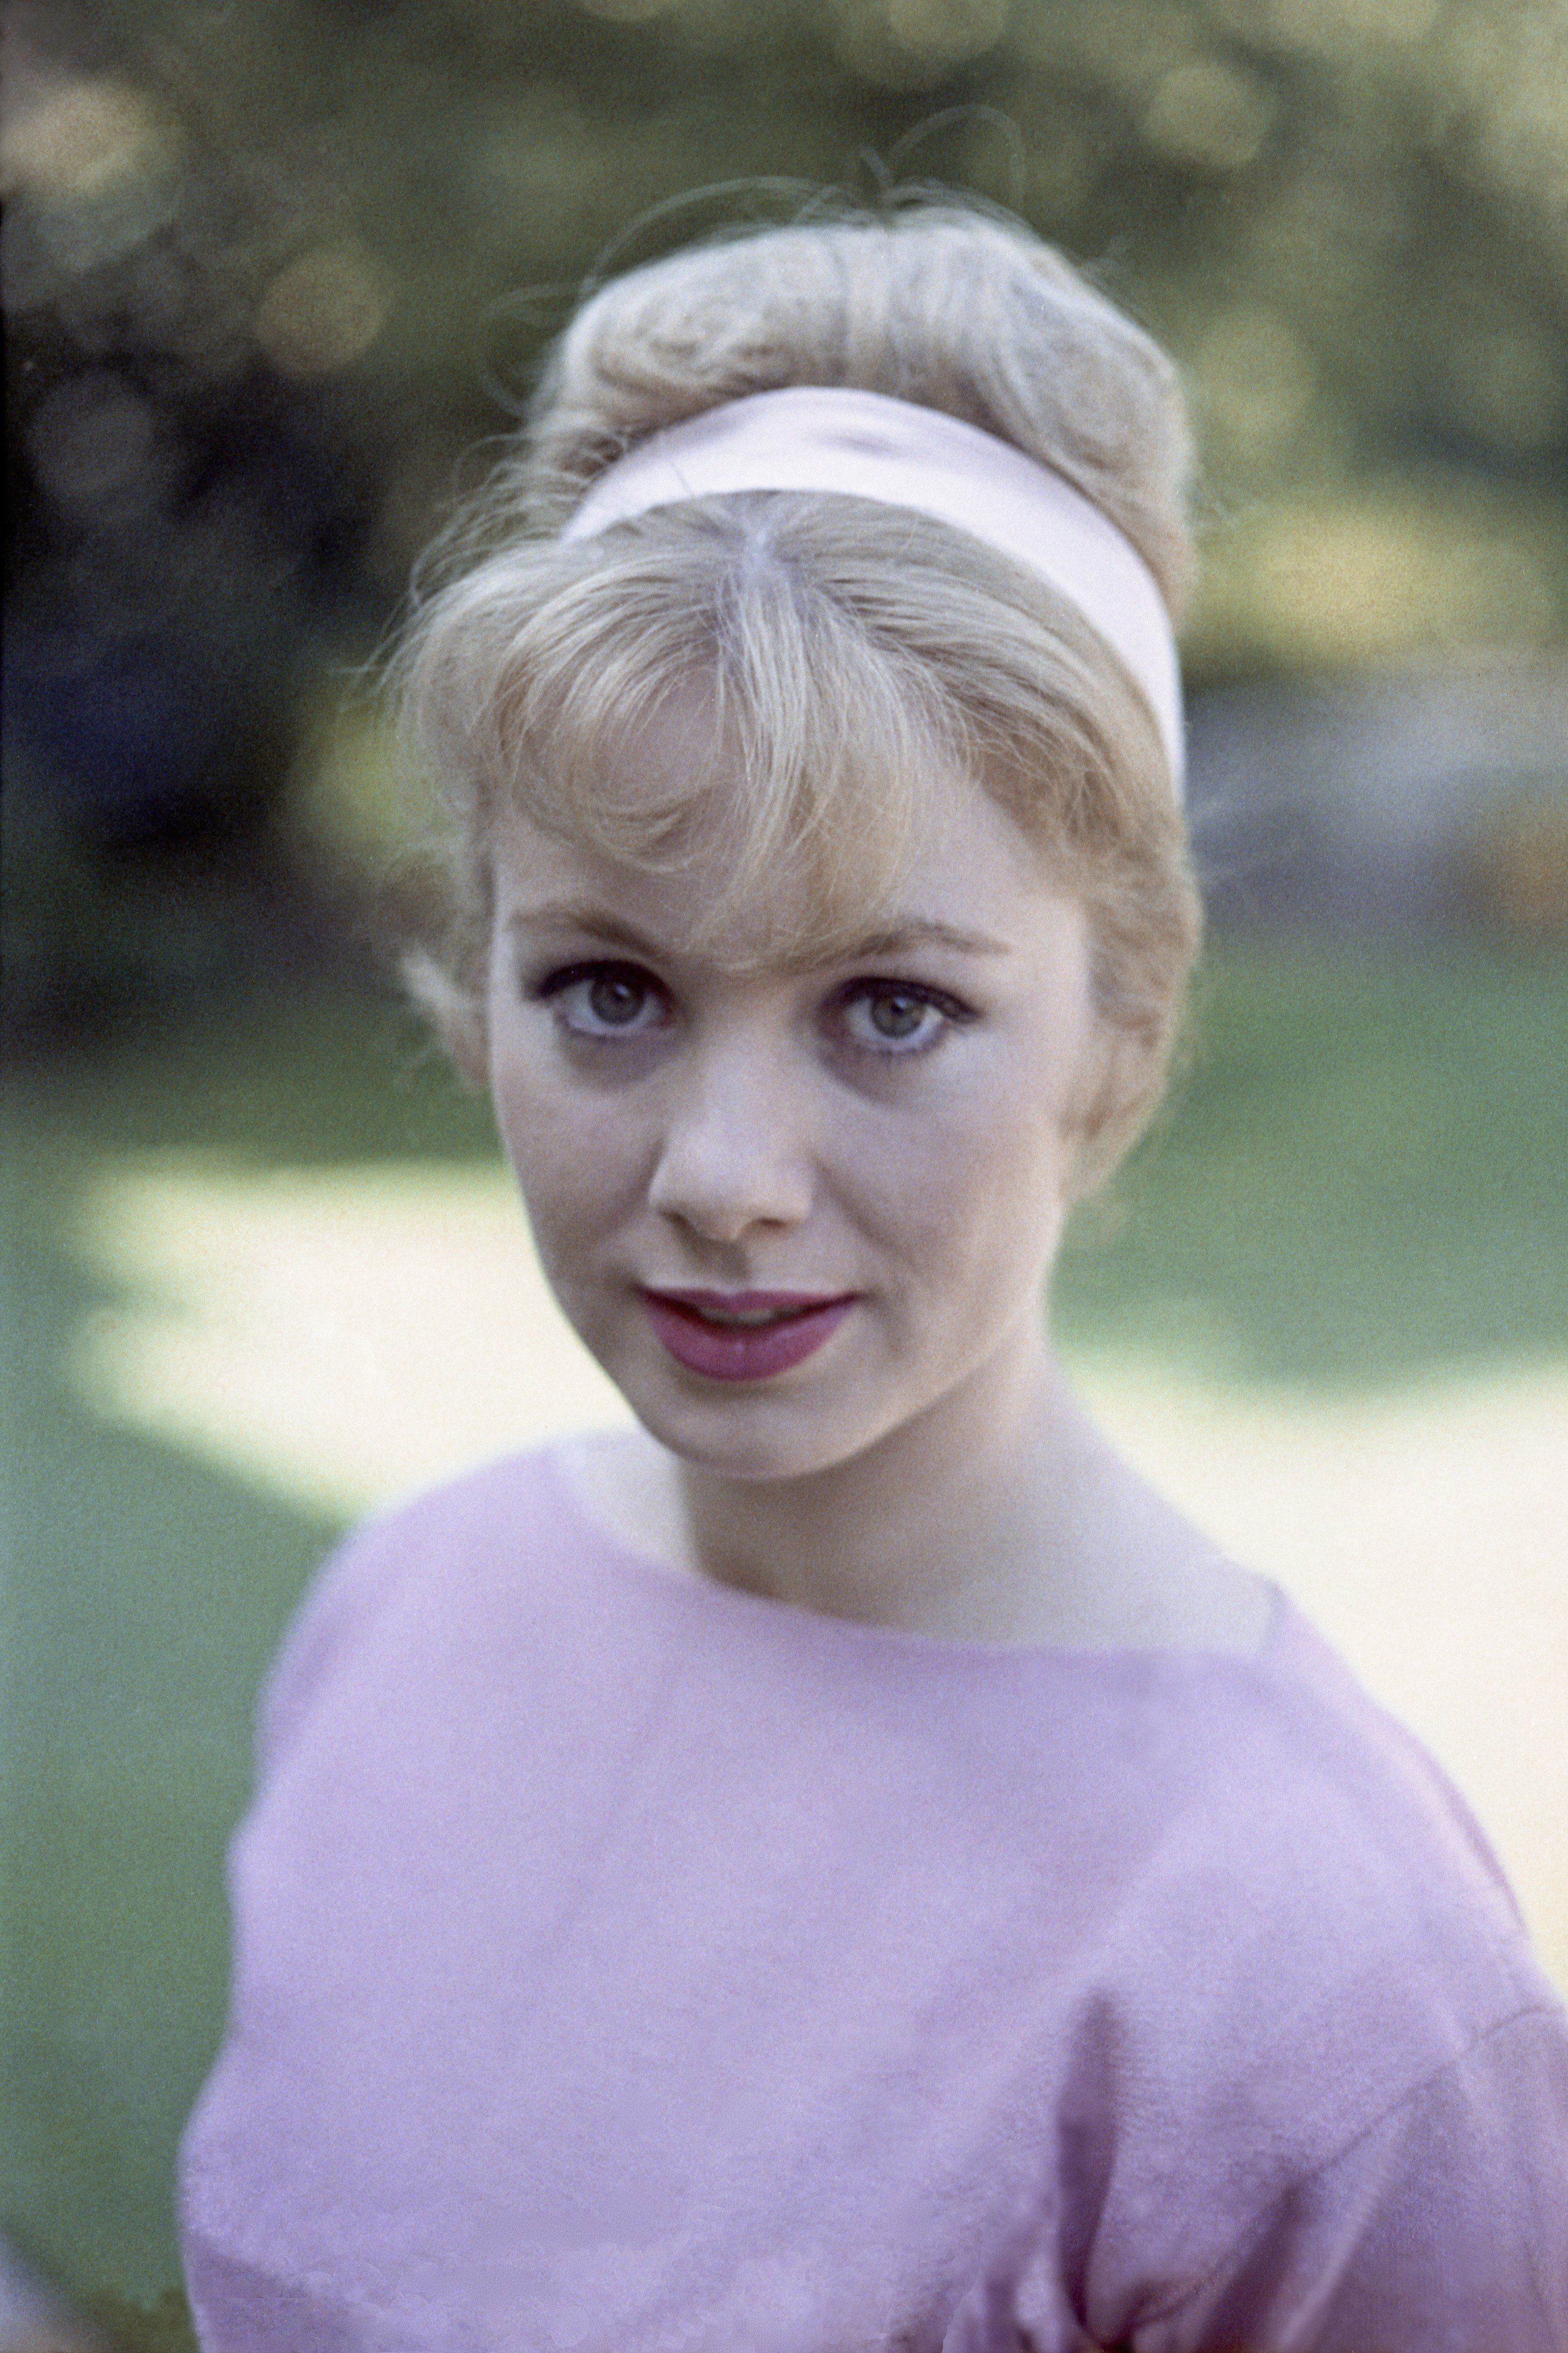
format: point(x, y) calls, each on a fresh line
point(925, 931)
point(575, 916)
point(919, 931)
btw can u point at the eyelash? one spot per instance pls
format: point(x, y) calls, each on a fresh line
point(954, 1012)
point(556, 985)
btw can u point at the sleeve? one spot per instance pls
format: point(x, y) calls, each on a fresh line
point(1442, 2229)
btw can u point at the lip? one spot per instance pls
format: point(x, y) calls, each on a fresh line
point(803, 1320)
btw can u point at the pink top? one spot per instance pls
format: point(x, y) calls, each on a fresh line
point(624, 1963)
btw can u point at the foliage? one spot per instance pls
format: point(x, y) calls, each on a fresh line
point(271, 269)
point(346, 228)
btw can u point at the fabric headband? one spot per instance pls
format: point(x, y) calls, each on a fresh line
point(863, 445)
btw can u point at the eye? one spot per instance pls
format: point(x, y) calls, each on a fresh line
point(899, 1017)
point(606, 1000)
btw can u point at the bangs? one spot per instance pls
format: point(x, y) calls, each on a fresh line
point(815, 678)
point(807, 748)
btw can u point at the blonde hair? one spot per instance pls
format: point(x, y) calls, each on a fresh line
point(852, 657)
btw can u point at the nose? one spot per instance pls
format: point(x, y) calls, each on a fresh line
point(732, 1151)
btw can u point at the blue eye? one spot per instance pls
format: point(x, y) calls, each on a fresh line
point(898, 1017)
point(606, 1000)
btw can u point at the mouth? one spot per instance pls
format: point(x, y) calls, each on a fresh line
point(745, 1336)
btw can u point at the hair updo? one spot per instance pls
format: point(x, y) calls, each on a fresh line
point(853, 656)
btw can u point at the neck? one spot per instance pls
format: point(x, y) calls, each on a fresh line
point(963, 1522)
point(1001, 1514)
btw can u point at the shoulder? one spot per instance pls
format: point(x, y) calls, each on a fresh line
point(1319, 2031)
point(411, 1557)
point(1318, 1956)
point(1384, 1822)
point(1356, 1896)
point(1314, 1789)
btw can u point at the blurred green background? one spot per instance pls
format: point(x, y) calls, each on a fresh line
point(272, 268)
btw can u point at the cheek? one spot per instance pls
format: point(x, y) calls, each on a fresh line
point(978, 1199)
point(573, 1154)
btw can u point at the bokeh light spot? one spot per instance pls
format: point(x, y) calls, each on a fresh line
point(951, 29)
point(80, 139)
point(322, 313)
point(1210, 115)
point(902, 44)
point(1347, 580)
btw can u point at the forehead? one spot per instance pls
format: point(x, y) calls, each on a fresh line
point(972, 885)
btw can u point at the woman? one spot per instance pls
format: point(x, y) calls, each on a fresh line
point(846, 1866)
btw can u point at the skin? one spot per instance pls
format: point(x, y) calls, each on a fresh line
point(900, 1125)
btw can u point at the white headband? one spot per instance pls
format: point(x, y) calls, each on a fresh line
point(822, 438)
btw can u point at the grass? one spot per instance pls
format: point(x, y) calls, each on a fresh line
point(1362, 1180)
point(163, 2327)
point(1362, 1184)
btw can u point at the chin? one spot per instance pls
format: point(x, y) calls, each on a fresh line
point(756, 1458)
point(760, 1436)
point(756, 1437)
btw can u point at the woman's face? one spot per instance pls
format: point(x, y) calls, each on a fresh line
point(790, 1210)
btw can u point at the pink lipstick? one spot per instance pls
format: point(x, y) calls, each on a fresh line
point(745, 1336)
